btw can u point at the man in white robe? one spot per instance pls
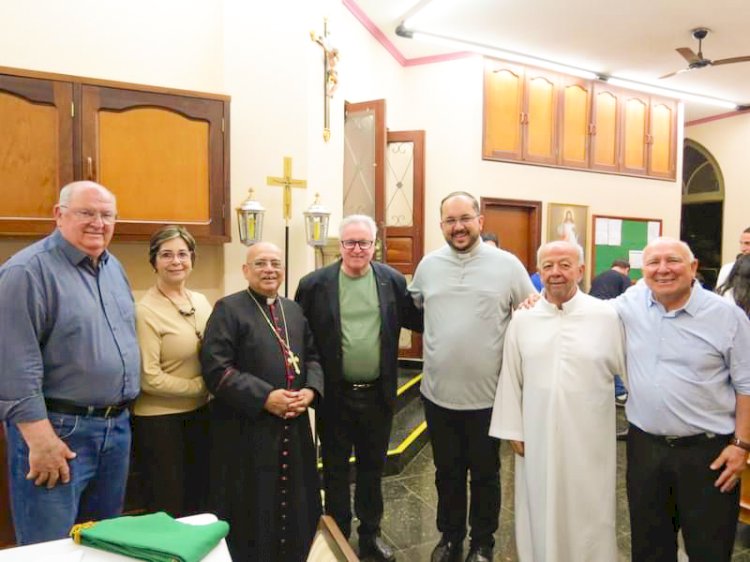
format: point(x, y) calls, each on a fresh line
point(554, 404)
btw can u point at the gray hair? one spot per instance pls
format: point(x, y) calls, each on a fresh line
point(544, 247)
point(361, 219)
point(669, 240)
point(67, 192)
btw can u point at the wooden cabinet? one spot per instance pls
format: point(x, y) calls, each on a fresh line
point(541, 117)
point(520, 113)
point(163, 153)
point(575, 122)
point(36, 151)
point(503, 111)
point(635, 109)
point(662, 138)
point(605, 127)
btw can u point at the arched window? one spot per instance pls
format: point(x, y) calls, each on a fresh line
point(702, 209)
point(702, 180)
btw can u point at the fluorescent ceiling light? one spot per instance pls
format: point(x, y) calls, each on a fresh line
point(495, 52)
point(686, 96)
point(404, 31)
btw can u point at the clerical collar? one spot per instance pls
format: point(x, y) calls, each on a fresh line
point(567, 305)
point(262, 298)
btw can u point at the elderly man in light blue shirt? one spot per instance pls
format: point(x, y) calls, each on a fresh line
point(70, 367)
point(688, 354)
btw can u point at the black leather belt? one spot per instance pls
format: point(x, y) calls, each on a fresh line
point(360, 385)
point(63, 407)
point(683, 441)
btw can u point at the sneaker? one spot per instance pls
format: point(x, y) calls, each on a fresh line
point(620, 399)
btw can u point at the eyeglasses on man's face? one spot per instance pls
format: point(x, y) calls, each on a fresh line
point(450, 222)
point(168, 255)
point(89, 215)
point(264, 264)
point(363, 244)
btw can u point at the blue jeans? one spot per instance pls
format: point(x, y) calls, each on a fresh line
point(98, 476)
point(619, 386)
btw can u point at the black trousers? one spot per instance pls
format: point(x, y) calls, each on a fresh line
point(171, 451)
point(361, 420)
point(671, 487)
point(461, 445)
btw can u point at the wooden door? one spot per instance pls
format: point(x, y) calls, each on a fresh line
point(163, 155)
point(503, 110)
point(662, 138)
point(605, 128)
point(540, 116)
point(518, 225)
point(404, 214)
point(364, 162)
point(36, 151)
point(364, 155)
point(575, 107)
point(634, 131)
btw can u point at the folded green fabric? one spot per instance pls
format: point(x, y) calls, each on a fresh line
point(155, 537)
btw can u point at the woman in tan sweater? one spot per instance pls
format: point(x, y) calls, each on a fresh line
point(170, 415)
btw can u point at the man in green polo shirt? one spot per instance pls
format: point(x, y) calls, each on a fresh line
point(356, 308)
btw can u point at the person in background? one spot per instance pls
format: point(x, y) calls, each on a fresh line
point(536, 280)
point(744, 250)
point(491, 239)
point(467, 291)
point(170, 419)
point(609, 285)
point(70, 370)
point(260, 363)
point(356, 308)
point(736, 288)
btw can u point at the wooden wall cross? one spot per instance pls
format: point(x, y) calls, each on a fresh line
point(287, 183)
point(330, 75)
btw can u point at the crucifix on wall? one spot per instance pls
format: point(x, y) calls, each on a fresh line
point(286, 182)
point(330, 75)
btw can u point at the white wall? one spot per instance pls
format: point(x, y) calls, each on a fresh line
point(727, 141)
point(262, 56)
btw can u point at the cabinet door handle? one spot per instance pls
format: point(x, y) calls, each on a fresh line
point(90, 168)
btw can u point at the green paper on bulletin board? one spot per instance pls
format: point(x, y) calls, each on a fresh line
point(617, 238)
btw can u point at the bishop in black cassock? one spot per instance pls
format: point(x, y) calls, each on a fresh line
point(260, 363)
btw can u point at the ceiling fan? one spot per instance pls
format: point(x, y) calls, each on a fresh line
point(696, 61)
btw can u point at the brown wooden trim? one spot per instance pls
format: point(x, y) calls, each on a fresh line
point(109, 83)
point(535, 219)
point(571, 169)
point(227, 205)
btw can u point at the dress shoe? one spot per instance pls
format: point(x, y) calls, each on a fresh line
point(447, 551)
point(375, 548)
point(480, 554)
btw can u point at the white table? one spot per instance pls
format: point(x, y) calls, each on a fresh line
point(65, 550)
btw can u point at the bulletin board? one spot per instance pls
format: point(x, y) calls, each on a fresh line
point(621, 238)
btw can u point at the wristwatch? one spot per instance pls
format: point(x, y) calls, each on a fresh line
point(737, 442)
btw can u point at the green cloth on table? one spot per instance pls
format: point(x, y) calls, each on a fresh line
point(155, 537)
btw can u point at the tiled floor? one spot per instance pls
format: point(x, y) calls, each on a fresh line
point(410, 501)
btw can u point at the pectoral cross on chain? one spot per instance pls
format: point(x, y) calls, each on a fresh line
point(287, 183)
point(293, 360)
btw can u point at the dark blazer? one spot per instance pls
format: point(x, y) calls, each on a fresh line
point(318, 294)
